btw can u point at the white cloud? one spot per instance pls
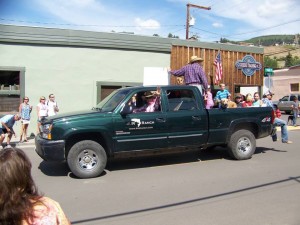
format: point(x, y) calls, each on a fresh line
point(72, 11)
point(264, 16)
point(217, 25)
point(267, 9)
point(71, 4)
point(147, 24)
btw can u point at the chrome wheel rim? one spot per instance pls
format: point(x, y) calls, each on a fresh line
point(87, 160)
point(244, 145)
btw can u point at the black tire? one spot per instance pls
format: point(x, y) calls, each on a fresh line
point(242, 145)
point(87, 159)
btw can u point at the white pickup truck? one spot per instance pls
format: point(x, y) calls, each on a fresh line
point(285, 103)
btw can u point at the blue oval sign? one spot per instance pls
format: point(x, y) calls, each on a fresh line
point(248, 65)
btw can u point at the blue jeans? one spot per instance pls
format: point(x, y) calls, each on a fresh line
point(199, 86)
point(284, 133)
point(295, 114)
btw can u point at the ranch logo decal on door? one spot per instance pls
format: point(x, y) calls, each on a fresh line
point(136, 123)
point(248, 65)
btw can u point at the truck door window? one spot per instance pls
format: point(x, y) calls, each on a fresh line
point(145, 103)
point(179, 100)
point(292, 97)
point(112, 101)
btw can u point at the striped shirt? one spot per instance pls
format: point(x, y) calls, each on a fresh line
point(222, 94)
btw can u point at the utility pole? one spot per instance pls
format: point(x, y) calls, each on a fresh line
point(188, 16)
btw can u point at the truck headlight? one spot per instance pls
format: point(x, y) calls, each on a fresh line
point(46, 131)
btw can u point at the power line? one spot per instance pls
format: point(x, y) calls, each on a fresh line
point(85, 25)
point(232, 6)
point(263, 29)
point(254, 31)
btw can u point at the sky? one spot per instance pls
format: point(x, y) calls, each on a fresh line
point(236, 20)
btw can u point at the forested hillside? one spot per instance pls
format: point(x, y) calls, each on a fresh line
point(273, 40)
point(269, 40)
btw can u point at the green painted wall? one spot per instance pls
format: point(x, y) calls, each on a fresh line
point(72, 73)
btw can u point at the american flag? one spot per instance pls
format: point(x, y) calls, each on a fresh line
point(219, 71)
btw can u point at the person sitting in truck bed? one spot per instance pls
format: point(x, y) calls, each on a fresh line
point(222, 93)
point(152, 102)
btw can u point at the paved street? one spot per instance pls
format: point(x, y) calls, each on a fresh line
point(195, 188)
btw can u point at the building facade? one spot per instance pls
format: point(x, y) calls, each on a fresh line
point(284, 82)
point(80, 67)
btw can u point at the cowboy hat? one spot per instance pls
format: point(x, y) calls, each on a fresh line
point(238, 96)
point(195, 58)
point(149, 94)
point(269, 93)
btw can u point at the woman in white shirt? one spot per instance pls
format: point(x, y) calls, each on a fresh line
point(42, 111)
point(52, 105)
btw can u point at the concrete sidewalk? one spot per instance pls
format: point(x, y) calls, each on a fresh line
point(290, 128)
point(14, 142)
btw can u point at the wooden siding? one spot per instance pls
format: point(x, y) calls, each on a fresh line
point(180, 56)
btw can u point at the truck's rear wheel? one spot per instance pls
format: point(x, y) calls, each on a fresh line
point(87, 159)
point(242, 145)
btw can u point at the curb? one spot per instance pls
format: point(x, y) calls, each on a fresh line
point(14, 142)
point(30, 144)
point(290, 128)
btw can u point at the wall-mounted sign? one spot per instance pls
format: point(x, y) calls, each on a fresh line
point(156, 76)
point(268, 72)
point(248, 65)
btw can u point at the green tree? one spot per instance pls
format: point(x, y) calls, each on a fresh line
point(172, 36)
point(268, 62)
point(289, 60)
point(296, 61)
point(224, 40)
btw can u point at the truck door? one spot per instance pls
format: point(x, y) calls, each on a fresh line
point(140, 130)
point(187, 122)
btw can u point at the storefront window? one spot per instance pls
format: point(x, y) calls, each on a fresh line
point(295, 87)
point(9, 91)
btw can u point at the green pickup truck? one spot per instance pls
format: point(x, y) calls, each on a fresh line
point(180, 122)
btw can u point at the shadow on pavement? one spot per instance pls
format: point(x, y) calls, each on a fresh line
point(57, 169)
point(54, 168)
point(62, 169)
point(264, 150)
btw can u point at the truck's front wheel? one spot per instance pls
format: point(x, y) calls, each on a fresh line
point(87, 159)
point(242, 145)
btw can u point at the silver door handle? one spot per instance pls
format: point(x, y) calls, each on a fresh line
point(196, 117)
point(161, 120)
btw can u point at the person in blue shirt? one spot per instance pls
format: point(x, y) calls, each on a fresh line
point(6, 127)
point(295, 107)
point(267, 101)
point(222, 93)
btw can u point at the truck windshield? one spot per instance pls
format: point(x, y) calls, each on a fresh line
point(112, 101)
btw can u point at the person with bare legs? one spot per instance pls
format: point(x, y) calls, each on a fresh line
point(24, 111)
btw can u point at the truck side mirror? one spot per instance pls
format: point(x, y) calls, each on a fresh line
point(127, 109)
